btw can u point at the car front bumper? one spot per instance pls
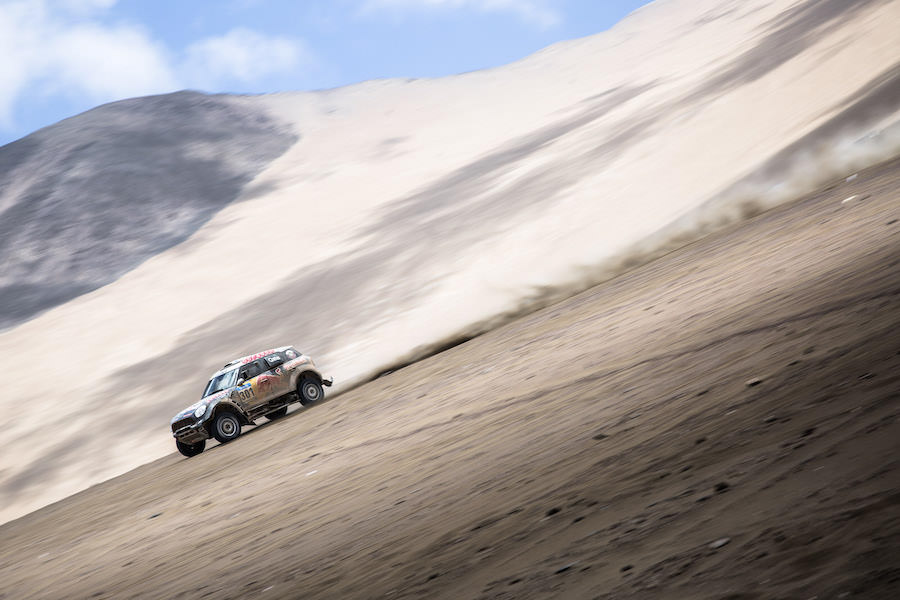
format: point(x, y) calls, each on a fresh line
point(191, 434)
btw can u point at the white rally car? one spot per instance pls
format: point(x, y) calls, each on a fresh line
point(258, 385)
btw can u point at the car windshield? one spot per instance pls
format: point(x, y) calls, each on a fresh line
point(220, 382)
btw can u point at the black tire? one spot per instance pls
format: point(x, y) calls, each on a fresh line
point(310, 391)
point(226, 427)
point(277, 414)
point(190, 450)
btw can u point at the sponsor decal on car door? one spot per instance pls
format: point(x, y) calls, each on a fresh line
point(284, 379)
point(266, 387)
point(244, 395)
point(248, 393)
point(276, 381)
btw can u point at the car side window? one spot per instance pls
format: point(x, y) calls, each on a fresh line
point(251, 370)
point(274, 360)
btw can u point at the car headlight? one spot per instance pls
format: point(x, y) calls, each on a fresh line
point(201, 410)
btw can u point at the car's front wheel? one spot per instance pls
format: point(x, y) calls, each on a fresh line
point(226, 427)
point(190, 449)
point(309, 390)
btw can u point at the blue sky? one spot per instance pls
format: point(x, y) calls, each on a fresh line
point(62, 57)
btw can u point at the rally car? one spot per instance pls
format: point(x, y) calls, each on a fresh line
point(254, 386)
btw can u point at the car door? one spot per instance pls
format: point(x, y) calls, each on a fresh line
point(267, 385)
point(280, 378)
point(247, 393)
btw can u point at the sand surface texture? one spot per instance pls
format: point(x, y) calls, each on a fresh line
point(384, 217)
point(719, 423)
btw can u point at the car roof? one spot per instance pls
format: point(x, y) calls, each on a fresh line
point(250, 357)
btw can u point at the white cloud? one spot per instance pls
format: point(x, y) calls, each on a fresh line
point(63, 48)
point(19, 48)
point(243, 56)
point(45, 53)
point(86, 6)
point(108, 63)
point(537, 12)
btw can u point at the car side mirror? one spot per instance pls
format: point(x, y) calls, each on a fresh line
point(241, 381)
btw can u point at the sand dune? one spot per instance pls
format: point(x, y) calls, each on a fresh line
point(92, 197)
point(407, 212)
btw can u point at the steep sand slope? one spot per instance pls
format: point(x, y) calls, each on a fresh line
point(720, 423)
point(409, 211)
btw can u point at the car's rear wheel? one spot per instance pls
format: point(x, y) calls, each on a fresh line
point(190, 449)
point(309, 390)
point(226, 427)
point(277, 414)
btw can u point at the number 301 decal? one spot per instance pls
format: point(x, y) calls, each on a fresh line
point(245, 392)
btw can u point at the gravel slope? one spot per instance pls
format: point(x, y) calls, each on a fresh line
point(721, 423)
